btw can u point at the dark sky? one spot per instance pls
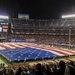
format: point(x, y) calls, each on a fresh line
point(38, 9)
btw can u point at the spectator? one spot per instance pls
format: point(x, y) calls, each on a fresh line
point(61, 70)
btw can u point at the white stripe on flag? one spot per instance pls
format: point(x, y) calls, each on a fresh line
point(17, 45)
point(8, 45)
point(1, 48)
point(64, 51)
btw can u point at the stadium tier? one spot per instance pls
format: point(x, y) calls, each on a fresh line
point(31, 51)
point(43, 23)
point(42, 31)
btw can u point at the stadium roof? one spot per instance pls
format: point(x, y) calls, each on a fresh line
point(38, 9)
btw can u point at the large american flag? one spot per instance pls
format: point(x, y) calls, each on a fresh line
point(24, 51)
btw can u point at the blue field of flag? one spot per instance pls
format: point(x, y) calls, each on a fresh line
point(26, 54)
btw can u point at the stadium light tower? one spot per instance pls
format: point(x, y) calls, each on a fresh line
point(69, 16)
point(4, 17)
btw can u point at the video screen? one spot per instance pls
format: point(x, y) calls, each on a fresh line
point(0, 28)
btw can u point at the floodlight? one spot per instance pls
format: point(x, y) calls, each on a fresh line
point(68, 16)
point(4, 17)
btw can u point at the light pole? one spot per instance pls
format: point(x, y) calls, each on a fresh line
point(69, 37)
point(72, 16)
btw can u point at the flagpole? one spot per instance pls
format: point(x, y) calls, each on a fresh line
point(69, 37)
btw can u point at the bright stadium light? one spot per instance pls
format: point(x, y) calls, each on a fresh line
point(4, 17)
point(68, 16)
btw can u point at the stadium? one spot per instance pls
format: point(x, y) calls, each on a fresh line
point(24, 39)
point(36, 46)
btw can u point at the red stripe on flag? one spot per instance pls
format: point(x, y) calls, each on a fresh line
point(22, 45)
point(13, 45)
point(4, 46)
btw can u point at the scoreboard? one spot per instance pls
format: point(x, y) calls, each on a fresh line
point(0, 28)
point(3, 25)
point(4, 21)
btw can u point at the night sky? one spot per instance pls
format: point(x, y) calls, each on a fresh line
point(38, 9)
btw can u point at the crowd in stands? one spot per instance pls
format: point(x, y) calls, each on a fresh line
point(61, 39)
point(61, 68)
point(44, 22)
point(22, 26)
point(38, 30)
point(3, 35)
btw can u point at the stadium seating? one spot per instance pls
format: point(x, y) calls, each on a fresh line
point(50, 23)
point(45, 31)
